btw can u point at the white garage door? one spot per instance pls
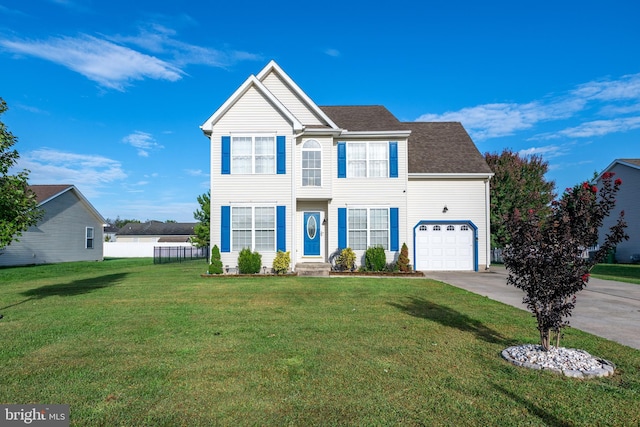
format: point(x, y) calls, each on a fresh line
point(444, 247)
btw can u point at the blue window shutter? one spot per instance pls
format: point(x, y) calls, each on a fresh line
point(342, 228)
point(226, 155)
point(393, 225)
point(342, 159)
point(225, 229)
point(281, 233)
point(393, 159)
point(281, 155)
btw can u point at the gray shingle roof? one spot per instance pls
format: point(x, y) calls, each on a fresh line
point(157, 228)
point(434, 147)
point(443, 147)
point(362, 117)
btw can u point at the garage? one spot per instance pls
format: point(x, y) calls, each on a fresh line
point(446, 246)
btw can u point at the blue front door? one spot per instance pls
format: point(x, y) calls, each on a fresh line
point(311, 233)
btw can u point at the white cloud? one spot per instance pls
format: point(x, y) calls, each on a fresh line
point(612, 97)
point(195, 172)
point(602, 127)
point(547, 151)
point(626, 87)
point(90, 173)
point(332, 52)
point(109, 64)
point(160, 40)
point(143, 141)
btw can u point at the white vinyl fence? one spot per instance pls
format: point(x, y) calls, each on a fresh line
point(134, 249)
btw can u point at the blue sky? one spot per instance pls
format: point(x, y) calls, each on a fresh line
point(109, 96)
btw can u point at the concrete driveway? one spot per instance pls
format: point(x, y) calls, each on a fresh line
point(605, 308)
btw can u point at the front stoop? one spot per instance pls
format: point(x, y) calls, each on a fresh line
point(313, 269)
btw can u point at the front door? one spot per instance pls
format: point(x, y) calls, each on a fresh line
point(311, 233)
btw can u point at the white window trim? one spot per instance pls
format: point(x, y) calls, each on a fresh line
point(253, 137)
point(369, 209)
point(319, 149)
point(253, 227)
point(87, 238)
point(367, 159)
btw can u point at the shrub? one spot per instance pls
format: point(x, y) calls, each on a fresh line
point(347, 259)
point(216, 264)
point(403, 260)
point(281, 262)
point(375, 259)
point(249, 262)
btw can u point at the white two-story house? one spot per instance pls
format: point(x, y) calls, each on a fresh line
point(289, 175)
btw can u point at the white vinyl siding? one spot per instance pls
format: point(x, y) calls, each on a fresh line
point(465, 201)
point(290, 100)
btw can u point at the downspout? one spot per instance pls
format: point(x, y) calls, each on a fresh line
point(487, 195)
point(294, 208)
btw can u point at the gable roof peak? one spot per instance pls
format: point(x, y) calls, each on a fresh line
point(252, 81)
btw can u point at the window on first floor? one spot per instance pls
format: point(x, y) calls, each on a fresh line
point(89, 237)
point(253, 228)
point(367, 227)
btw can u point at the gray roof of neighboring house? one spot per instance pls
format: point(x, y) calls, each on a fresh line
point(632, 161)
point(45, 192)
point(157, 228)
point(434, 147)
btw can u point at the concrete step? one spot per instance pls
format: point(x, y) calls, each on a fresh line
point(313, 268)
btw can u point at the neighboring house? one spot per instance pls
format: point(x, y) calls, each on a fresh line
point(71, 230)
point(110, 232)
point(289, 175)
point(138, 240)
point(627, 200)
point(157, 232)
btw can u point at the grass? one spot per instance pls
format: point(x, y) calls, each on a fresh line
point(629, 273)
point(126, 342)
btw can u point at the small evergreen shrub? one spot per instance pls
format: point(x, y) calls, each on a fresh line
point(216, 264)
point(249, 262)
point(375, 259)
point(347, 259)
point(281, 262)
point(403, 264)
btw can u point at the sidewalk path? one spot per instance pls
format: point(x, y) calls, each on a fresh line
point(605, 308)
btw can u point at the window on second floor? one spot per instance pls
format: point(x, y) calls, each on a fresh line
point(367, 159)
point(311, 164)
point(253, 154)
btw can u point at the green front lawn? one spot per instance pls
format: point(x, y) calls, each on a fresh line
point(126, 342)
point(629, 273)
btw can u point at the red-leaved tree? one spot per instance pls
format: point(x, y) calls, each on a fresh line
point(546, 254)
